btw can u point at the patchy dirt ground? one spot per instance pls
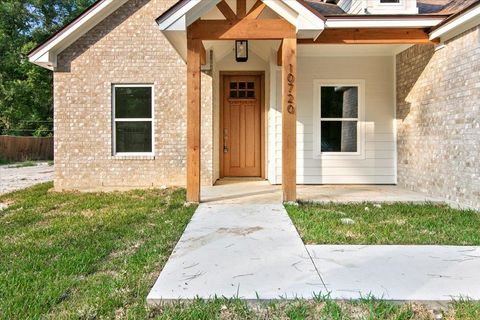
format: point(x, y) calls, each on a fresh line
point(13, 178)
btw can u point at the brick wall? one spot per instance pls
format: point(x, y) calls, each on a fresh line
point(125, 48)
point(438, 119)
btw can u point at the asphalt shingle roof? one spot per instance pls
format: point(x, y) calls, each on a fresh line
point(444, 7)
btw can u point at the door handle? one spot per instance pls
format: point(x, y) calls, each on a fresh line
point(225, 138)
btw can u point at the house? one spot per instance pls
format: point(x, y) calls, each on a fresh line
point(157, 92)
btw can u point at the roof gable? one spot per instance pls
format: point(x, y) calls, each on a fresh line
point(309, 22)
point(45, 54)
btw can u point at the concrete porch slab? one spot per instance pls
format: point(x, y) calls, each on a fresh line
point(362, 193)
point(234, 250)
point(257, 191)
point(403, 273)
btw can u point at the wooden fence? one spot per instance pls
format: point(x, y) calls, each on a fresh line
point(26, 148)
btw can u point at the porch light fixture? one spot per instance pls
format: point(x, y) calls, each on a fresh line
point(241, 50)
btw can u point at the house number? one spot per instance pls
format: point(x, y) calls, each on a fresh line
point(291, 86)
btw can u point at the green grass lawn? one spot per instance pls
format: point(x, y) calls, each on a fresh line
point(385, 224)
point(96, 256)
point(86, 256)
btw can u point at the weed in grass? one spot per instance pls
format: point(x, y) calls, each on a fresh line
point(298, 310)
point(463, 309)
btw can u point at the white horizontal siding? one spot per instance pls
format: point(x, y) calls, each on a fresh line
point(345, 171)
point(342, 180)
point(351, 6)
point(377, 164)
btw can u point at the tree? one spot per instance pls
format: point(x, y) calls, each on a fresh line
point(26, 100)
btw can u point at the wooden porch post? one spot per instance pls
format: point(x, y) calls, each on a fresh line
point(289, 119)
point(194, 48)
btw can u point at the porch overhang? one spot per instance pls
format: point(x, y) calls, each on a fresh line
point(175, 22)
point(189, 23)
point(310, 26)
point(185, 12)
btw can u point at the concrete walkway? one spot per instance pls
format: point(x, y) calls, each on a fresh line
point(403, 273)
point(233, 250)
point(253, 251)
point(13, 178)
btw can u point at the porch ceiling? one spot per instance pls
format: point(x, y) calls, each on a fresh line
point(262, 48)
point(217, 19)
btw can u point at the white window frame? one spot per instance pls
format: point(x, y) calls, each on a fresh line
point(317, 132)
point(390, 3)
point(114, 120)
point(394, 6)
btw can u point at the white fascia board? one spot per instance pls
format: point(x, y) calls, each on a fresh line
point(47, 56)
point(286, 12)
point(48, 60)
point(307, 19)
point(383, 22)
point(299, 16)
point(457, 25)
point(189, 12)
point(177, 15)
point(203, 7)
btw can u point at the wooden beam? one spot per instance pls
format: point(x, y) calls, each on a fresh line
point(370, 36)
point(203, 54)
point(226, 10)
point(256, 10)
point(289, 119)
point(280, 55)
point(241, 8)
point(246, 29)
point(193, 119)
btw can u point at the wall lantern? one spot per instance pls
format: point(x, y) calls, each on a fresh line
point(241, 50)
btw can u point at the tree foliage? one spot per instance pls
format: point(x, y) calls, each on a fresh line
point(26, 99)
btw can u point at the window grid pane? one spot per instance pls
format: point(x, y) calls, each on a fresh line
point(242, 90)
point(133, 102)
point(339, 102)
point(339, 136)
point(133, 136)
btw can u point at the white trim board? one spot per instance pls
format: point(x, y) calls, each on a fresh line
point(114, 120)
point(383, 22)
point(317, 141)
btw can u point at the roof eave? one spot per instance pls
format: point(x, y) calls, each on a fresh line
point(457, 23)
point(384, 21)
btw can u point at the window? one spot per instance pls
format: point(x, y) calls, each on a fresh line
point(338, 125)
point(242, 90)
point(133, 119)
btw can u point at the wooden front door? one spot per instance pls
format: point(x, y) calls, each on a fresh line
point(241, 148)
